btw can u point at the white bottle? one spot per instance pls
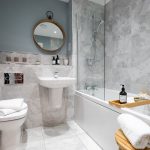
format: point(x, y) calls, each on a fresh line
point(57, 60)
point(66, 62)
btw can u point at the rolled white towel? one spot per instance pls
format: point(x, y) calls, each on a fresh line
point(136, 130)
point(5, 112)
point(14, 104)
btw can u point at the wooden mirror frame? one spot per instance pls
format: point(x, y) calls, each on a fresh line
point(54, 51)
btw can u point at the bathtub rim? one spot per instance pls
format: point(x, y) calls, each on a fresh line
point(105, 104)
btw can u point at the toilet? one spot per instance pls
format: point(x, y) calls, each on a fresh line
point(10, 128)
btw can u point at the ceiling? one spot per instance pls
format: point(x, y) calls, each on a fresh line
point(102, 2)
point(65, 1)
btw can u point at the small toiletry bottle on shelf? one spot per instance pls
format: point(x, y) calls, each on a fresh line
point(123, 95)
point(65, 61)
point(57, 60)
point(53, 61)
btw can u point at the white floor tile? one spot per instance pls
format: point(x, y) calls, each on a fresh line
point(67, 136)
point(88, 142)
point(75, 128)
point(32, 135)
point(32, 146)
point(61, 132)
point(66, 144)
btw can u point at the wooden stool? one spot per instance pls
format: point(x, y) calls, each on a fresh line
point(123, 142)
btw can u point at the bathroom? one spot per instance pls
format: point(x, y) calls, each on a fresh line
point(63, 89)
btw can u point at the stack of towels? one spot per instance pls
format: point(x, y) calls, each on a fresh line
point(136, 130)
point(8, 107)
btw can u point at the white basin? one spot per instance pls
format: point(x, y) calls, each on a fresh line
point(60, 82)
point(55, 86)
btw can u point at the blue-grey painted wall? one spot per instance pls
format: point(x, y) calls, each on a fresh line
point(18, 17)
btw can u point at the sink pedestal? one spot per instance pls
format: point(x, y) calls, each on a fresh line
point(52, 100)
point(55, 87)
point(56, 98)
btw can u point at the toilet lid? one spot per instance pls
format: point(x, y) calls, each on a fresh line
point(17, 115)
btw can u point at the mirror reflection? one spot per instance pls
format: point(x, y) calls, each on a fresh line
point(49, 36)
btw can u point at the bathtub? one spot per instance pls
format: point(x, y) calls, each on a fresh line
point(99, 119)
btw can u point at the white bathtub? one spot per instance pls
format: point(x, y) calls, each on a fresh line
point(99, 119)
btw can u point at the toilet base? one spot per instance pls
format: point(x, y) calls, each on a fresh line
point(10, 139)
point(10, 134)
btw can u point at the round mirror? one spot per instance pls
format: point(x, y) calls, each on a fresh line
point(49, 35)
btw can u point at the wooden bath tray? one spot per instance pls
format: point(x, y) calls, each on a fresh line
point(129, 105)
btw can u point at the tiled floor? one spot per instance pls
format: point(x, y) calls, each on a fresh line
point(63, 137)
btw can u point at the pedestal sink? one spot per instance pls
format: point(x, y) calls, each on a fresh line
point(56, 86)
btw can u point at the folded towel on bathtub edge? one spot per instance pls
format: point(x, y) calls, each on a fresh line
point(136, 130)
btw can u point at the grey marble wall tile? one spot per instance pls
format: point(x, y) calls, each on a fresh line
point(28, 59)
point(38, 113)
point(127, 45)
point(69, 97)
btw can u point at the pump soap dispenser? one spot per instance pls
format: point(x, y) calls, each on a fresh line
point(123, 95)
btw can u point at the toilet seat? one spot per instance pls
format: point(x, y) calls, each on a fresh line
point(15, 116)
